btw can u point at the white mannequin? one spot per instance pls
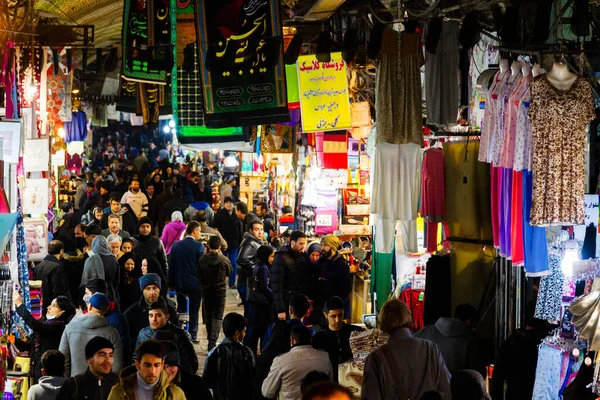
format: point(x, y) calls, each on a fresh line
point(515, 68)
point(525, 68)
point(560, 77)
point(536, 70)
point(503, 65)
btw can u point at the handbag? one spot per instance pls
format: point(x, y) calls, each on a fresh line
point(253, 295)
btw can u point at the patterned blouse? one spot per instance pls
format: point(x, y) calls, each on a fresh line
point(560, 119)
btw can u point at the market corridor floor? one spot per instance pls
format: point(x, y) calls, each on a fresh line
point(230, 306)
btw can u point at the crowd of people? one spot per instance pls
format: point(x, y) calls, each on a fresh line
point(140, 259)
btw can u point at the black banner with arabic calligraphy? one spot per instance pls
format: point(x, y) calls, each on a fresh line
point(241, 59)
point(148, 40)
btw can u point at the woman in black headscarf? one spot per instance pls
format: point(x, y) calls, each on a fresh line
point(66, 232)
point(129, 287)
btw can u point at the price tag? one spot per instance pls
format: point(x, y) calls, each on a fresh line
point(324, 220)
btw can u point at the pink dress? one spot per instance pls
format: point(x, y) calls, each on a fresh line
point(502, 109)
point(490, 115)
point(511, 124)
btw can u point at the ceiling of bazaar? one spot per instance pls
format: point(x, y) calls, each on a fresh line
point(106, 15)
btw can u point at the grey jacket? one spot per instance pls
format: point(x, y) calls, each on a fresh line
point(47, 388)
point(459, 345)
point(289, 369)
point(417, 364)
point(76, 335)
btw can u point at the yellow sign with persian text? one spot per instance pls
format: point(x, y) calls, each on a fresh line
point(324, 97)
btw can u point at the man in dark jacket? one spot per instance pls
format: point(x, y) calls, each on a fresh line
point(335, 338)
point(334, 275)
point(146, 245)
point(137, 314)
point(213, 269)
point(183, 259)
point(175, 204)
point(457, 340)
point(289, 273)
point(98, 380)
point(245, 217)
point(252, 240)
point(278, 340)
point(52, 274)
point(158, 318)
point(229, 367)
point(226, 222)
point(127, 217)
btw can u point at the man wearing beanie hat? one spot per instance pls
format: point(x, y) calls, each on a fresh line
point(81, 330)
point(137, 313)
point(146, 245)
point(193, 386)
point(158, 318)
point(98, 379)
point(334, 274)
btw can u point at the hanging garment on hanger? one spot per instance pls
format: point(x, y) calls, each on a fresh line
point(498, 134)
point(505, 212)
point(496, 195)
point(396, 175)
point(9, 81)
point(441, 77)
point(491, 115)
point(76, 129)
point(516, 233)
point(560, 119)
point(548, 373)
point(398, 89)
point(550, 294)
point(507, 155)
point(433, 200)
point(523, 156)
point(535, 247)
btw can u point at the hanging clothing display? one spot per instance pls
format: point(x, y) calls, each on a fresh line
point(586, 313)
point(482, 56)
point(550, 293)
point(396, 175)
point(516, 234)
point(523, 152)
point(467, 191)
point(535, 249)
point(499, 131)
point(548, 382)
point(559, 119)
point(398, 88)
point(433, 201)
point(441, 77)
point(505, 212)
point(491, 114)
point(511, 126)
point(76, 129)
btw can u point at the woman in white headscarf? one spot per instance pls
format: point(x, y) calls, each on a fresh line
point(173, 230)
point(102, 265)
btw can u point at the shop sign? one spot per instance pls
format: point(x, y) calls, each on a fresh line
point(324, 97)
point(241, 62)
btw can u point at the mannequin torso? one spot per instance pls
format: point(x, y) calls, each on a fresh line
point(525, 69)
point(536, 70)
point(560, 77)
point(503, 65)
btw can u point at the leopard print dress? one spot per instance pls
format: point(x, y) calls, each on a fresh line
point(559, 119)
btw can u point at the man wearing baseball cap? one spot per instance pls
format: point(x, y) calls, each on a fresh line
point(137, 314)
point(98, 379)
point(81, 330)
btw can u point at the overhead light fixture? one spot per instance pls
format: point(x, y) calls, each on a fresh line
point(324, 47)
point(571, 255)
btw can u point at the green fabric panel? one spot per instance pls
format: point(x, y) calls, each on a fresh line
point(382, 264)
point(291, 78)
